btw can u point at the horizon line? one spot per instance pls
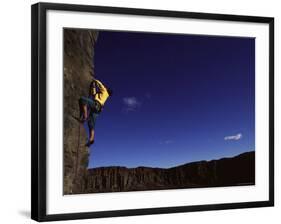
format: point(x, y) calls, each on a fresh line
point(183, 164)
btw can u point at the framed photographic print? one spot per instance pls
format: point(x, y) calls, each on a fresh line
point(140, 111)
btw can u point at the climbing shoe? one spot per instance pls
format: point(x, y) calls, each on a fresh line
point(89, 143)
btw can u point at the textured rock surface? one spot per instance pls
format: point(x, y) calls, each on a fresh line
point(239, 170)
point(78, 64)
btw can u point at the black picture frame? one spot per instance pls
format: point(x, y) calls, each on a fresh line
point(38, 108)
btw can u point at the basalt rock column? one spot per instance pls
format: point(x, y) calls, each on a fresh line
point(78, 69)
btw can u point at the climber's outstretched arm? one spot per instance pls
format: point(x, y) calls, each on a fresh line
point(100, 85)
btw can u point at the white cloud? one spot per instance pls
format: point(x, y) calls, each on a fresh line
point(131, 103)
point(233, 137)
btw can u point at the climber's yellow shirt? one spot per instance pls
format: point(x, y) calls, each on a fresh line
point(102, 96)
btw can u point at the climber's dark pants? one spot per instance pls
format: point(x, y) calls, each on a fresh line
point(94, 108)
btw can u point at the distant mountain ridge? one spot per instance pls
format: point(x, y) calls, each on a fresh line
point(237, 170)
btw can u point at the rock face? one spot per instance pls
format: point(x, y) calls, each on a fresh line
point(239, 170)
point(78, 70)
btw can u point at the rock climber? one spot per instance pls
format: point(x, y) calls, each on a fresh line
point(91, 106)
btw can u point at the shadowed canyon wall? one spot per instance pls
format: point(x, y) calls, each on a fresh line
point(239, 170)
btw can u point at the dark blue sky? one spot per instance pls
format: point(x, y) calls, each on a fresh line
point(177, 98)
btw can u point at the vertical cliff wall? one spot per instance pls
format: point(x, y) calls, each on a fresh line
point(78, 70)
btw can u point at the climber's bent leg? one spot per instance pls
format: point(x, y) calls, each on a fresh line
point(85, 102)
point(84, 113)
point(91, 125)
point(92, 135)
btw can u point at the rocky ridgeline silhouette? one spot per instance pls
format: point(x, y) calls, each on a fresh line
point(238, 170)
